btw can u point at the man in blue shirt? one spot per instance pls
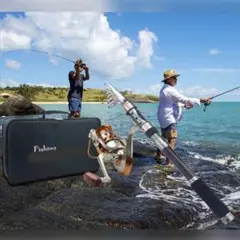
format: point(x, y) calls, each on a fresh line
point(75, 93)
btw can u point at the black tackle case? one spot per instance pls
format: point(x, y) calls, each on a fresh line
point(36, 149)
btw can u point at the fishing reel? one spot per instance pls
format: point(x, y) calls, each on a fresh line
point(205, 106)
point(112, 148)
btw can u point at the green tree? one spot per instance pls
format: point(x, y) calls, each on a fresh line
point(27, 91)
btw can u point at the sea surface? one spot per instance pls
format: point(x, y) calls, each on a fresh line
point(216, 130)
point(210, 137)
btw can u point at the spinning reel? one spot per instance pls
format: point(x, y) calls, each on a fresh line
point(112, 148)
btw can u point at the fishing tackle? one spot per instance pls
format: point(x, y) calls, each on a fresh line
point(218, 95)
point(112, 148)
point(206, 194)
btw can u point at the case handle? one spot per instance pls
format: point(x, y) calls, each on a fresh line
point(53, 112)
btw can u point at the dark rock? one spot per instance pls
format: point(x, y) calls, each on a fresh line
point(71, 204)
point(19, 105)
point(89, 209)
point(14, 199)
point(126, 203)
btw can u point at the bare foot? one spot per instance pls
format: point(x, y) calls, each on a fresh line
point(170, 165)
point(158, 158)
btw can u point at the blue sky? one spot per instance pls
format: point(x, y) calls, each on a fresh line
point(185, 41)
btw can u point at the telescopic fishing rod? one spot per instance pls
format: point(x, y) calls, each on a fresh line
point(201, 188)
point(218, 95)
point(39, 51)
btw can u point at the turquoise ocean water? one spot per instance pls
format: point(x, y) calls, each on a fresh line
point(217, 129)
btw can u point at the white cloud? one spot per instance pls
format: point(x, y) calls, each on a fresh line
point(12, 64)
point(53, 61)
point(107, 52)
point(198, 91)
point(8, 83)
point(41, 85)
point(12, 83)
point(214, 51)
point(154, 89)
point(193, 91)
point(127, 89)
point(11, 40)
point(46, 85)
point(145, 50)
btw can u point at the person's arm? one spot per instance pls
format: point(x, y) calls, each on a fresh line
point(71, 75)
point(188, 106)
point(187, 101)
point(76, 74)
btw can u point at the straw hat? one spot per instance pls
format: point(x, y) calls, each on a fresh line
point(170, 73)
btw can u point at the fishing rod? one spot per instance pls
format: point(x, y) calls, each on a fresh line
point(201, 188)
point(220, 94)
point(40, 51)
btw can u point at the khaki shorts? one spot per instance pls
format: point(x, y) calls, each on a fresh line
point(169, 132)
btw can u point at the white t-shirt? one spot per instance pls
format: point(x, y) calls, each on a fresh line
point(170, 105)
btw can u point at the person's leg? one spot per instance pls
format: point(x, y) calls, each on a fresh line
point(75, 108)
point(159, 155)
point(170, 133)
point(70, 107)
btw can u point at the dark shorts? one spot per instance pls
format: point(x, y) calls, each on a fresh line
point(170, 131)
point(75, 105)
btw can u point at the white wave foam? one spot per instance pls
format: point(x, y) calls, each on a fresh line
point(234, 196)
point(233, 199)
point(188, 197)
point(172, 195)
point(205, 225)
point(190, 143)
point(232, 163)
point(229, 161)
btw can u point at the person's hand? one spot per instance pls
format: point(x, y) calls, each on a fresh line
point(205, 100)
point(188, 106)
point(77, 66)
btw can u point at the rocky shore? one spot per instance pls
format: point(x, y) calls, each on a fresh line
point(70, 204)
point(19, 105)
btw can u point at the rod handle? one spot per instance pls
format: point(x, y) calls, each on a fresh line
point(215, 204)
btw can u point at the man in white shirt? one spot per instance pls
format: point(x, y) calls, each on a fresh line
point(170, 107)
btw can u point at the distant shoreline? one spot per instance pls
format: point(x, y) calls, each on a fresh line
point(65, 102)
point(62, 102)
